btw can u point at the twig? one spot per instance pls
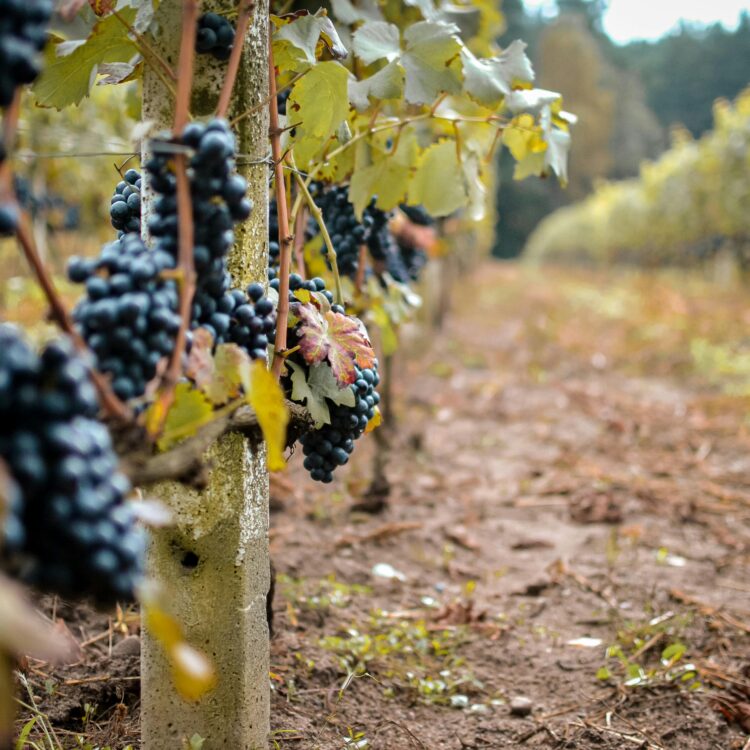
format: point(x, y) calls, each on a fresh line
point(185, 226)
point(244, 14)
point(111, 404)
point(285, 239)
point(161, 68)
point(360, 280)
point(267, 101)
point(318, 216)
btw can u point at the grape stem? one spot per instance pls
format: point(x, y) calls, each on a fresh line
point(186, 229)
point(317, 214)
point(282, 211)
point(267, 101)
point(244, 14)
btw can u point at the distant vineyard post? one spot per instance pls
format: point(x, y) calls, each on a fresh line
point(214, 562)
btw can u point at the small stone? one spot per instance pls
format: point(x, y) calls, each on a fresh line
point(520, 705)
point(130, 646)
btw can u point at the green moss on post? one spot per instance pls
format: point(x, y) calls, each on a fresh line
point(214, 563)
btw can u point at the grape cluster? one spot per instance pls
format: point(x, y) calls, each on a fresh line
point(330, 447)
point(129, 314)
point(23, 34)
point(246, 318)
point(417, 215)
point(125, 206)
point(218, 201)
point(383, 246)
point(215, 36)
point(346, 232)
point(414, 259)
point(71, 530)
point(296, 282)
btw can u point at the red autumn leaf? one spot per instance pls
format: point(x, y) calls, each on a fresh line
point(340, 339)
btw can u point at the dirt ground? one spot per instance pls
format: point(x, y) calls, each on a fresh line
point(561, 562)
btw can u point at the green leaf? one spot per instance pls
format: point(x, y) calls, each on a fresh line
point(603, 673)
point(489, 80)
point(302, 34)
point(532, 101)
point(323, 384)
point(387, 179)
point(387, 83)
point(320, 100)
point(376, 40)
point(67, 79)
point(365, 10)
point(430, 48)
point(673, 653)
point(303, 394)
point(189, 412)
point(438, 184)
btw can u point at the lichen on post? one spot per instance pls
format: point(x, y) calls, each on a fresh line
point(213, 563)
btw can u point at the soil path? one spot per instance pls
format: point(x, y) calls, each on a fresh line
point(563, 481)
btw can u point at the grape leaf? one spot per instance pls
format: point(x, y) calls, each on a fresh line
point(320, 100)
point(530, 100)
point(387, 83)
point(522, 136)
point(341, 340)
point(488, 80)
point(66, 79)
point(264, 394)
point(189, 412)
point(438, 183)
point(430, 48)
point(303, 394)
point(347, 13)
point(323, 384)
point(218, 375)
point(386, 178)
point(376, 40)
point(298, 43)
point(375, 422)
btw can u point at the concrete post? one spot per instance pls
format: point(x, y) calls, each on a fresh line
point(214, 564)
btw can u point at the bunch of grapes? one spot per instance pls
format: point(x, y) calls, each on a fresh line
point(329, 447)
point(249, 320)
point(218, 201)
point(129, 315)
point(71, 530)
point(414, 259)
point(274, 253)
point(347, 233)
point(383, 246)
point(215, 36)
point(296, 282)
point(23, 34)
point(125, 206)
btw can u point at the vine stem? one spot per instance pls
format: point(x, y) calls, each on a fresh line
point(299, 243)
point(244, 14)
point(109, 401)
point(185, 227)
point(285, 239)
point(266, 102)
point(318, 216)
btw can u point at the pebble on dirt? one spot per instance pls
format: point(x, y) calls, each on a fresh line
point(520, 705)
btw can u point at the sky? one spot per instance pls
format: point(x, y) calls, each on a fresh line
point(626, 20)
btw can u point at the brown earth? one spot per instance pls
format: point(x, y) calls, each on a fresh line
point(566, 464)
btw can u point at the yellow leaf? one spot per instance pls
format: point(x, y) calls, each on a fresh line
point(267, 399)
point(375, 422)
point(192, 672)
point(188, 413)
point(523, 137)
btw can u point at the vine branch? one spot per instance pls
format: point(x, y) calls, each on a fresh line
point(109, 401)
point(285, 239)
point(185, 227)
point(244, 14)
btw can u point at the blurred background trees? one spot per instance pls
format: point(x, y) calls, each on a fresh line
point(628, 98)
